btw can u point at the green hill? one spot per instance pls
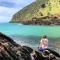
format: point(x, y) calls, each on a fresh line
point(38, 9)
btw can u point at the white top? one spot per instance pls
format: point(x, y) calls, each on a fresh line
point(43, 43)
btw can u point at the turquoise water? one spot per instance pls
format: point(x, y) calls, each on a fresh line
point(30, 34)
point(29, 30)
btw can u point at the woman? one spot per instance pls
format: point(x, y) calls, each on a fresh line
point(43, 44)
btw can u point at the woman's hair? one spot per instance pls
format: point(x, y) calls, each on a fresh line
point(44, 36)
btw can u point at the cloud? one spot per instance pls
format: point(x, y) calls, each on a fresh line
point(4, 19)
point(6, 13)
point(10, 7)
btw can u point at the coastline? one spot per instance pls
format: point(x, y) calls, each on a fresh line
point(10, 50)
point(42, 20)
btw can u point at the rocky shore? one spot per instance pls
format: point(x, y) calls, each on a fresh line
point(44, 20)
point(10, 50)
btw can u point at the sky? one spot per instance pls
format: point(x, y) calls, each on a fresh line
point(9, 7)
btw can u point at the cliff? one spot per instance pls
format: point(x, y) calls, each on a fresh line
point(39, 9)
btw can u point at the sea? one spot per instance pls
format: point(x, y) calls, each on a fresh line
point(30, 35)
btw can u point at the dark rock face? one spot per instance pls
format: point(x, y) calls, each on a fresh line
point(9, 50)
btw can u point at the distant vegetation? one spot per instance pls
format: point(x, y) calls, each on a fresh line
point(39, 9)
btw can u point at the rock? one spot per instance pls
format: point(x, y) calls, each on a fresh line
point(10, 50)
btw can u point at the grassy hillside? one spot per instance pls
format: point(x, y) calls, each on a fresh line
point(37, 9)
